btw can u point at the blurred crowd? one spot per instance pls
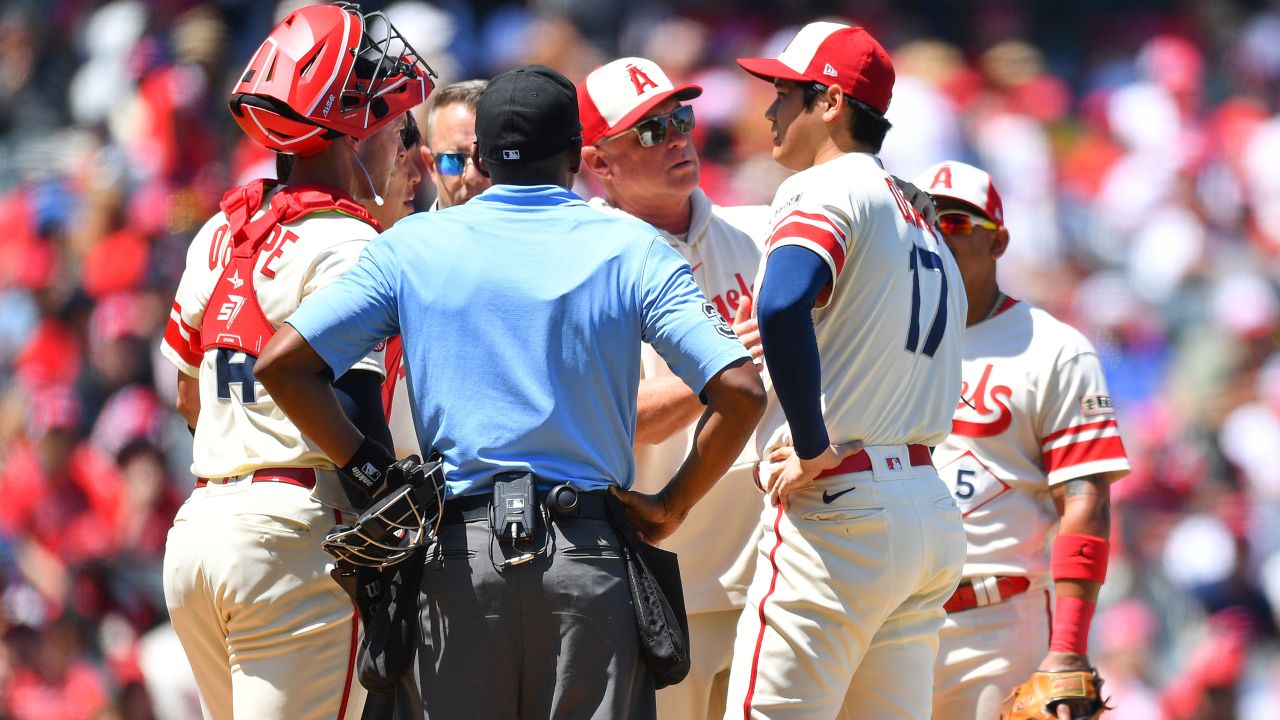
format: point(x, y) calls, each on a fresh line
point(1131, 141)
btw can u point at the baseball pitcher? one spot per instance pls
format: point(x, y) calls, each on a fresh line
point(861, 313)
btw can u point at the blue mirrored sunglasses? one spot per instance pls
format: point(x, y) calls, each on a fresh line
point(452, 164)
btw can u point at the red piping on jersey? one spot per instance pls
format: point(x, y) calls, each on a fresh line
point(1076, 430)
point(1077, 453)
point(773, 584)
point(1008, 303)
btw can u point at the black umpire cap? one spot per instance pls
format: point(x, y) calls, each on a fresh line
point(527, 114)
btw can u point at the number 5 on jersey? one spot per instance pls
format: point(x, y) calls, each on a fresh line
point(972, 483)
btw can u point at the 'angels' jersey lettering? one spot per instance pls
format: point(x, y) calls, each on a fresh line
point(1035, 412)
point(240, 427)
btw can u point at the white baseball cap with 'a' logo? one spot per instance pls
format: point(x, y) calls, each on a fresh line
point(966, 183)
point(615, 95)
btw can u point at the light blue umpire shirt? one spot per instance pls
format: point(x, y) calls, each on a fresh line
point(522, 314)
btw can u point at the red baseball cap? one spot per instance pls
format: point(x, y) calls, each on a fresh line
point(616, 95)
point(833, 54)
point(966, 183)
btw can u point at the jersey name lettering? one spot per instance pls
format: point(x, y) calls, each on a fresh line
point(275, 247)
point(908, 212)
point(219, 248)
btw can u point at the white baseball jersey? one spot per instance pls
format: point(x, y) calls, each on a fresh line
point(1034, 413)
point(240, 428)
point(723, 249)
point(890, 327)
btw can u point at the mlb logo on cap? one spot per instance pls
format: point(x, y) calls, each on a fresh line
point(966, 183)
point(510, 154)
point(616, 95)
point(833, 54)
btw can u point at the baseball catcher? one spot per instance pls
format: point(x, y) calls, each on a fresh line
point(1065, 695)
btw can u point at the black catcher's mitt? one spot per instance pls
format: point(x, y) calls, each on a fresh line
point(402, 520)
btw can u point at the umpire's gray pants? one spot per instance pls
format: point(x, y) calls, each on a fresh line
point(554, 637)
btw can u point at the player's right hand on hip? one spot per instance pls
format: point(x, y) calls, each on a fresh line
point(792, 474)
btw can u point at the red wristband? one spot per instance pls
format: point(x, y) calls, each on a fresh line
point(1077, 556)
point(1071, 619)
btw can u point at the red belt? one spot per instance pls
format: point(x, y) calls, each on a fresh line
point(302, 477)
point(966, 595)
point(861, 461)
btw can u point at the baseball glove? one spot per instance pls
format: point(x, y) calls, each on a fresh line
point(402, 520)
point(1038, 698)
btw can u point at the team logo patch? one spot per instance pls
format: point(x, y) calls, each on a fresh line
point(1096, 404)
point(722, 325)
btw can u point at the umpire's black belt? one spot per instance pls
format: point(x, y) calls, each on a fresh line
point(474, 508)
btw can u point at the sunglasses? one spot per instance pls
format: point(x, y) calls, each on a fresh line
point(962, 223)
point(653, 131)
point(409, 134)
point(453, 163)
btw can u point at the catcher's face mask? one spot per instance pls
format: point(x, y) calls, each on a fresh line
point(403, 520)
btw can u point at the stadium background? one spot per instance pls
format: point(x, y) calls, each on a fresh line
point(1134, 144)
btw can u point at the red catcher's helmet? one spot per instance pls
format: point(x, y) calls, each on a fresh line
point(324, 72)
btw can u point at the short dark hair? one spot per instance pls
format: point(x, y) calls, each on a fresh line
point(867, 125)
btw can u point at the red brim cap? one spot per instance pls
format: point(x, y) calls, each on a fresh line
point(770, 69)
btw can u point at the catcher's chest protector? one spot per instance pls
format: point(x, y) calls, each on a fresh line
point(235, 319)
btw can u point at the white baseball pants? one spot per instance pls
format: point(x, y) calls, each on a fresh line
point(985, 652)
point(269, 634)
point(843, 615)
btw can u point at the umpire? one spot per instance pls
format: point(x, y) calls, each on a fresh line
point(522, 314)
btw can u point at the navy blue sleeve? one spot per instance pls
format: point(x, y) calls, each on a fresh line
point(793, 278)
point(360, 395)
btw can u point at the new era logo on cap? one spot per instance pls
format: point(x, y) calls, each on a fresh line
point(833, 54)
point(616, 95)
point(966, 183)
